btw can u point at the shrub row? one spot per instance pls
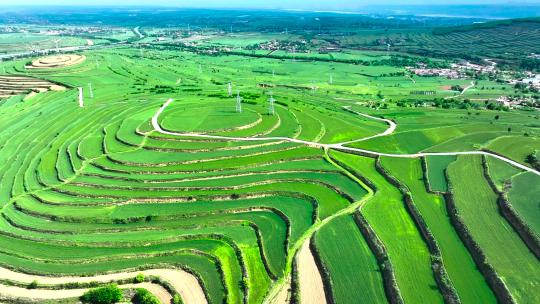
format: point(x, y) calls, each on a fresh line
point(441, 276)
point(495, 282)
point(391, 288)
point(295, 286)
point(506, 209)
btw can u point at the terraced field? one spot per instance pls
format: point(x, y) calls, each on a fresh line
point(20, 85)
point(57, 61)
point(506, 40)
point(158, 173)
point(491, 231)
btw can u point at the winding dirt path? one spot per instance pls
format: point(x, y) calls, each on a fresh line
point(338, 146)
point(183, 282)
point(462, 92)
point(391, 127)
point(283, 296)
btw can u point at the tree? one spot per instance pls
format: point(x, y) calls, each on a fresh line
point(533, 160)
point(456, 88)
point(177, 299)
point(104, 295)
point(139, 278)
point(143, 296)
point(33, 285)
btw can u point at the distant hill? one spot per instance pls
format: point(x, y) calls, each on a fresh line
point(511, 42)
point(486, 25)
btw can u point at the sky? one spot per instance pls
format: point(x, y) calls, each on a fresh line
point(289, 4)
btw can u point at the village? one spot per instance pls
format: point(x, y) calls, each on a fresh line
point(524, 81)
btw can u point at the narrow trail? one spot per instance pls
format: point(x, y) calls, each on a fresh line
point(338, 146)
point(391, 127)
point(283, 295)
point(462, 92)
point(411, 79)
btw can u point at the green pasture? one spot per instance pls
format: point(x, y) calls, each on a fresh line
point(98, 189)
point(408, 253)
point(358, 280)
point(469, 283)
point(523, 196)
point(477, 206)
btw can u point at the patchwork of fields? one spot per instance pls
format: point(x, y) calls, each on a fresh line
point(509, 40)
point(253, 207)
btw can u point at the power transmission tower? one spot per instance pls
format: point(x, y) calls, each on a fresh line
point(331, 79)
point(238, 102)
point(229, 89)
point(271, 105)
point(81, 97)
point(91, 91)
point(273, 73)
point(97, 64)
point(200, 69)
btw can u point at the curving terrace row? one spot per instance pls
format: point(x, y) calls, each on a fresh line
point(254, 208)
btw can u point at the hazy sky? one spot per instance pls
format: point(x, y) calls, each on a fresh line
point(301, 4)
